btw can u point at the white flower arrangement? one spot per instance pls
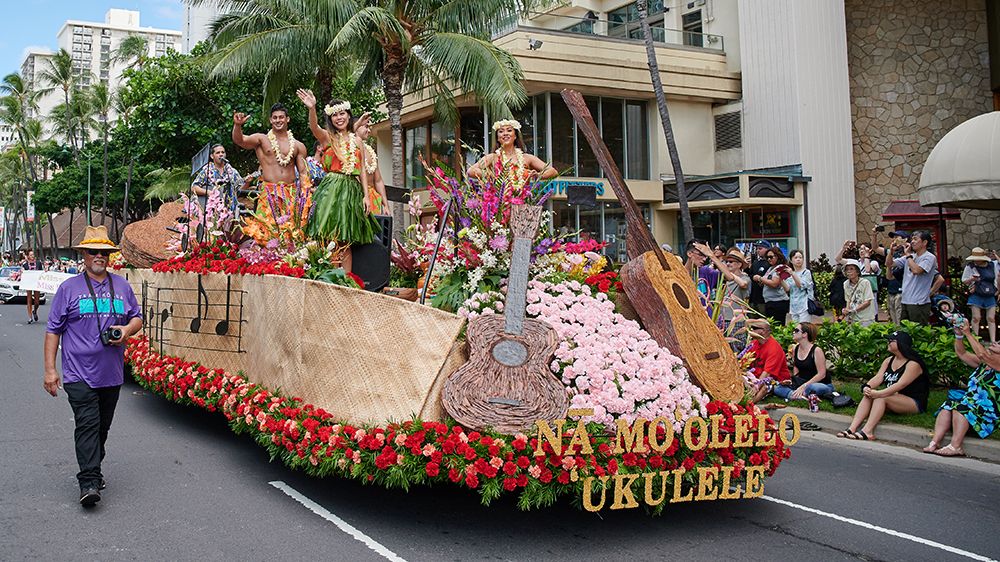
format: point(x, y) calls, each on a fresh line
point(337, 108)
point(512, 123)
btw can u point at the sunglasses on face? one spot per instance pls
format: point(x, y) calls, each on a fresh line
point(798, 331)
point(772, 257)
point(104, 253)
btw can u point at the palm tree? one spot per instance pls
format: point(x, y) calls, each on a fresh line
point(124, 103)
point(132, 51)
point(426, 46)
point(59, 74)
point(16, 106)
point(102, 102)
point(668, 131)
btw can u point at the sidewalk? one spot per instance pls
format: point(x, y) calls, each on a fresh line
point(903, 435)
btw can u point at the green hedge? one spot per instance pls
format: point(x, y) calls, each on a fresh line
point(856, 352)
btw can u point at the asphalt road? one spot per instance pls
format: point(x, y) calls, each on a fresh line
point(181, 486)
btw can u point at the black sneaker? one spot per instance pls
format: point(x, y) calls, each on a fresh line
point(35, 315)
point(89, 497)
point(102, 485)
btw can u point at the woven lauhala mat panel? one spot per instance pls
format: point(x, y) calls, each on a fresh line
point(363, 357)
point(198, 317)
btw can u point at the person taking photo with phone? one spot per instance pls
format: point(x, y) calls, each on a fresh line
point(93, 315)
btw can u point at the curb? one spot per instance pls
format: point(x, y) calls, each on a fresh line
point(895, 434)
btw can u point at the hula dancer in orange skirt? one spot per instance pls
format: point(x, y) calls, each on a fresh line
point(345, 204)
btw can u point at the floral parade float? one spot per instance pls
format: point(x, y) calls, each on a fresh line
point(338, 381)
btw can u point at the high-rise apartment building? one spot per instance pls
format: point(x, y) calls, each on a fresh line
point(92, 46)
point(197, 20)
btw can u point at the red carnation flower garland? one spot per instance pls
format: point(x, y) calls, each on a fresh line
point(222, 257)
point(422, 452)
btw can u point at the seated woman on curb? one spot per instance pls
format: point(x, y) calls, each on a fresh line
point(907, 385)
point(809, 375)
point(975, 407)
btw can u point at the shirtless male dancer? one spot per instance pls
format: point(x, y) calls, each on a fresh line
point(279, 196)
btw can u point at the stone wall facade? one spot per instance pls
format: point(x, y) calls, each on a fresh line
point(917, 70)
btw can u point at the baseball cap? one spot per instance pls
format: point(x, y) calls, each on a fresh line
point(762, 243)
point(899, 233)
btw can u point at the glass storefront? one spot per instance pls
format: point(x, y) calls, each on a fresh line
point(604, 223)
point(549, 132)
point(738, 227)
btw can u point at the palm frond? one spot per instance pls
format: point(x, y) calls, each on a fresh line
point(167, 183)
point(477, 66)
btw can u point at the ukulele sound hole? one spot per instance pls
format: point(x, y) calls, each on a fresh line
point(510, 353)
point(681, 296)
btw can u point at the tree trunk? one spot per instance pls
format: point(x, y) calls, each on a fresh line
point(668, 131)
point(72, 212)
point(392, 80)
point(104, 175)
point(53, 240)
point(128, 185)
point(69, 128)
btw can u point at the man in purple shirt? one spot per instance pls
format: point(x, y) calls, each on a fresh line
point(93, 303)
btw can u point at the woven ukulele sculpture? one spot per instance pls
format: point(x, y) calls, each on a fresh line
point(659, 286)
point(507, 384)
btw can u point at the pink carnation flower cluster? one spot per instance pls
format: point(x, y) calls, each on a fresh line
point(608, 363)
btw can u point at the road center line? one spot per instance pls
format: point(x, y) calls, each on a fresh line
point(892, 532)
point(340, 523)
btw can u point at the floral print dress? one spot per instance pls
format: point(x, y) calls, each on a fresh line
point(979, 402)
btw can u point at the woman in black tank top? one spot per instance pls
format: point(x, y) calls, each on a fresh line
point(901, 386)
point(810, 375)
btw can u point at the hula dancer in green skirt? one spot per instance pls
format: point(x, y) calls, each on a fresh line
point(343, 204)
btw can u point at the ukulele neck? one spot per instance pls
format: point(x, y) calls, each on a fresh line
point(517, 287)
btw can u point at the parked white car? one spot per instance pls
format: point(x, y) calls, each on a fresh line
point(10, 278)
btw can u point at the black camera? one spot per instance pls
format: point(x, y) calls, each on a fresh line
point(111, 334)
point(880, 228)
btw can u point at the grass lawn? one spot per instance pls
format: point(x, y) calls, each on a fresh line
point(853, 389)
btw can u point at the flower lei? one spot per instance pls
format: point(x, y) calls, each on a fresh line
point(511, 171)
point(346, 147)
point(273, 139)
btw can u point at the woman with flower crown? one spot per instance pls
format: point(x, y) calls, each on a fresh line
point(343, 203)
point(509, 164)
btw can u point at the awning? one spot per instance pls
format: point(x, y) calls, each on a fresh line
point(906, 210)
point(963, 170)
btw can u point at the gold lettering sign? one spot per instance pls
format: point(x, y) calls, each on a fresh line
point(705, 483)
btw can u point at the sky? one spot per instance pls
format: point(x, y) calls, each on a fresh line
point(35, 23)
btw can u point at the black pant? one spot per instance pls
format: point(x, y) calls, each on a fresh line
point(776, 310)
point(93, 410)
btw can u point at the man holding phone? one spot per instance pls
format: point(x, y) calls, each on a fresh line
point(92, 315)
point(919, 271)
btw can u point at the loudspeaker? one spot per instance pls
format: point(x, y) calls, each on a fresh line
point(371, 261)
point(582, 196)
point(385, 236)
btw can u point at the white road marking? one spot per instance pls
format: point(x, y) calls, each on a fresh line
point(891, 532)
point(340, 523)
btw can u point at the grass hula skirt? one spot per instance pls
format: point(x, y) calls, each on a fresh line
point(339, 211)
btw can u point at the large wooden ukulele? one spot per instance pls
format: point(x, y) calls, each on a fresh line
point(507, 384)
point(659, 287)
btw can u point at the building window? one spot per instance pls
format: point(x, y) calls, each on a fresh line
point(693, 29)
point(586, 26)
point(563, 140)
point(624, 22)
point(472, 131)
point(415, 144)
point(637, 143)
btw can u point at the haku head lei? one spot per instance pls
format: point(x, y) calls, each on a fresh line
point(337, 108)
point(512, 123)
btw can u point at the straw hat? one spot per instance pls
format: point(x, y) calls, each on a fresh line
point(96, 238)
point(735, 254)
point(978, 254)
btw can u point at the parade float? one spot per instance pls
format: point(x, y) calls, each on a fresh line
point(538, 371)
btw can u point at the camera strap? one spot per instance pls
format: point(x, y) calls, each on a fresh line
point(111, 304)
